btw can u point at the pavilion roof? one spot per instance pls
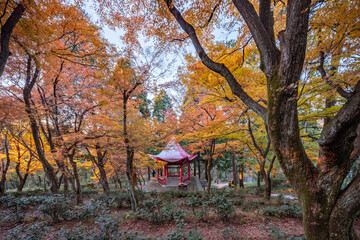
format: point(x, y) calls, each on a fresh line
point(174, 153)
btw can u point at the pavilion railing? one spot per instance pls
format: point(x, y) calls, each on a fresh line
point(162, 180)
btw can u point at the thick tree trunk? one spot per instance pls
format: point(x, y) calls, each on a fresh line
point(6, 31)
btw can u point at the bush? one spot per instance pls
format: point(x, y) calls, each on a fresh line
point(193, 202)
point(230, 233)
point(286, 210)
point(117, 199)
point(155, 212)
point(4, 200)
point(20, 206)
point(90, 210)
point(253, 204)
point(224, 207)
point(76, 233)
point(239, 199)
point(56, 207)
point(179, 234)
point(278, 234)
point(35, 231)
point(106, 229)
point(290, 210)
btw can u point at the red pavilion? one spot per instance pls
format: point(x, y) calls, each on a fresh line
point(176, 159)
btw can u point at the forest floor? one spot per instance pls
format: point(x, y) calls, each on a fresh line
point(251, 218)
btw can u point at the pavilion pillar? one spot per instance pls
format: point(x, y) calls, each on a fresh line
point(164, 171)
point(189, 170)
point(181, 173)
point(158, 173)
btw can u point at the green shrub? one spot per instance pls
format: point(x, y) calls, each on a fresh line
point(56, 207)
point(106, 229)
point(280, 198)
point(278, 234)
point(35, 231)
point(193, 202)
point(179, 234)
point(224, 207)
point(290, 210)
point(90, 210)
point(230, 233)
point(19, 207)
point(156, 213)
point(286, 210)
point(253, 204)
point(117, 199)
point(76, 233)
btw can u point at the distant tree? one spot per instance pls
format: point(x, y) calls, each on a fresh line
point(162, 105)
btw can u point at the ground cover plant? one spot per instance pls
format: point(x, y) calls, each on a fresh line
point(222, 214)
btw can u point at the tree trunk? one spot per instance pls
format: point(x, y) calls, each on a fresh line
point(78, 192)
point(118, 181)
point(258, 179)
point(199, 169)
point(6, 31)
point(235, 178)
point(194, 168)
point(241, 176)
point(5, 167)
point(267, 181)
point(48, 168)
point(129, 154)
point(208, 173)
point(129, 174)
point(66, 186)
point(103, 179)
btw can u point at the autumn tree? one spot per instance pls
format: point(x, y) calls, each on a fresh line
point(54, 116)
point(126, 83)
